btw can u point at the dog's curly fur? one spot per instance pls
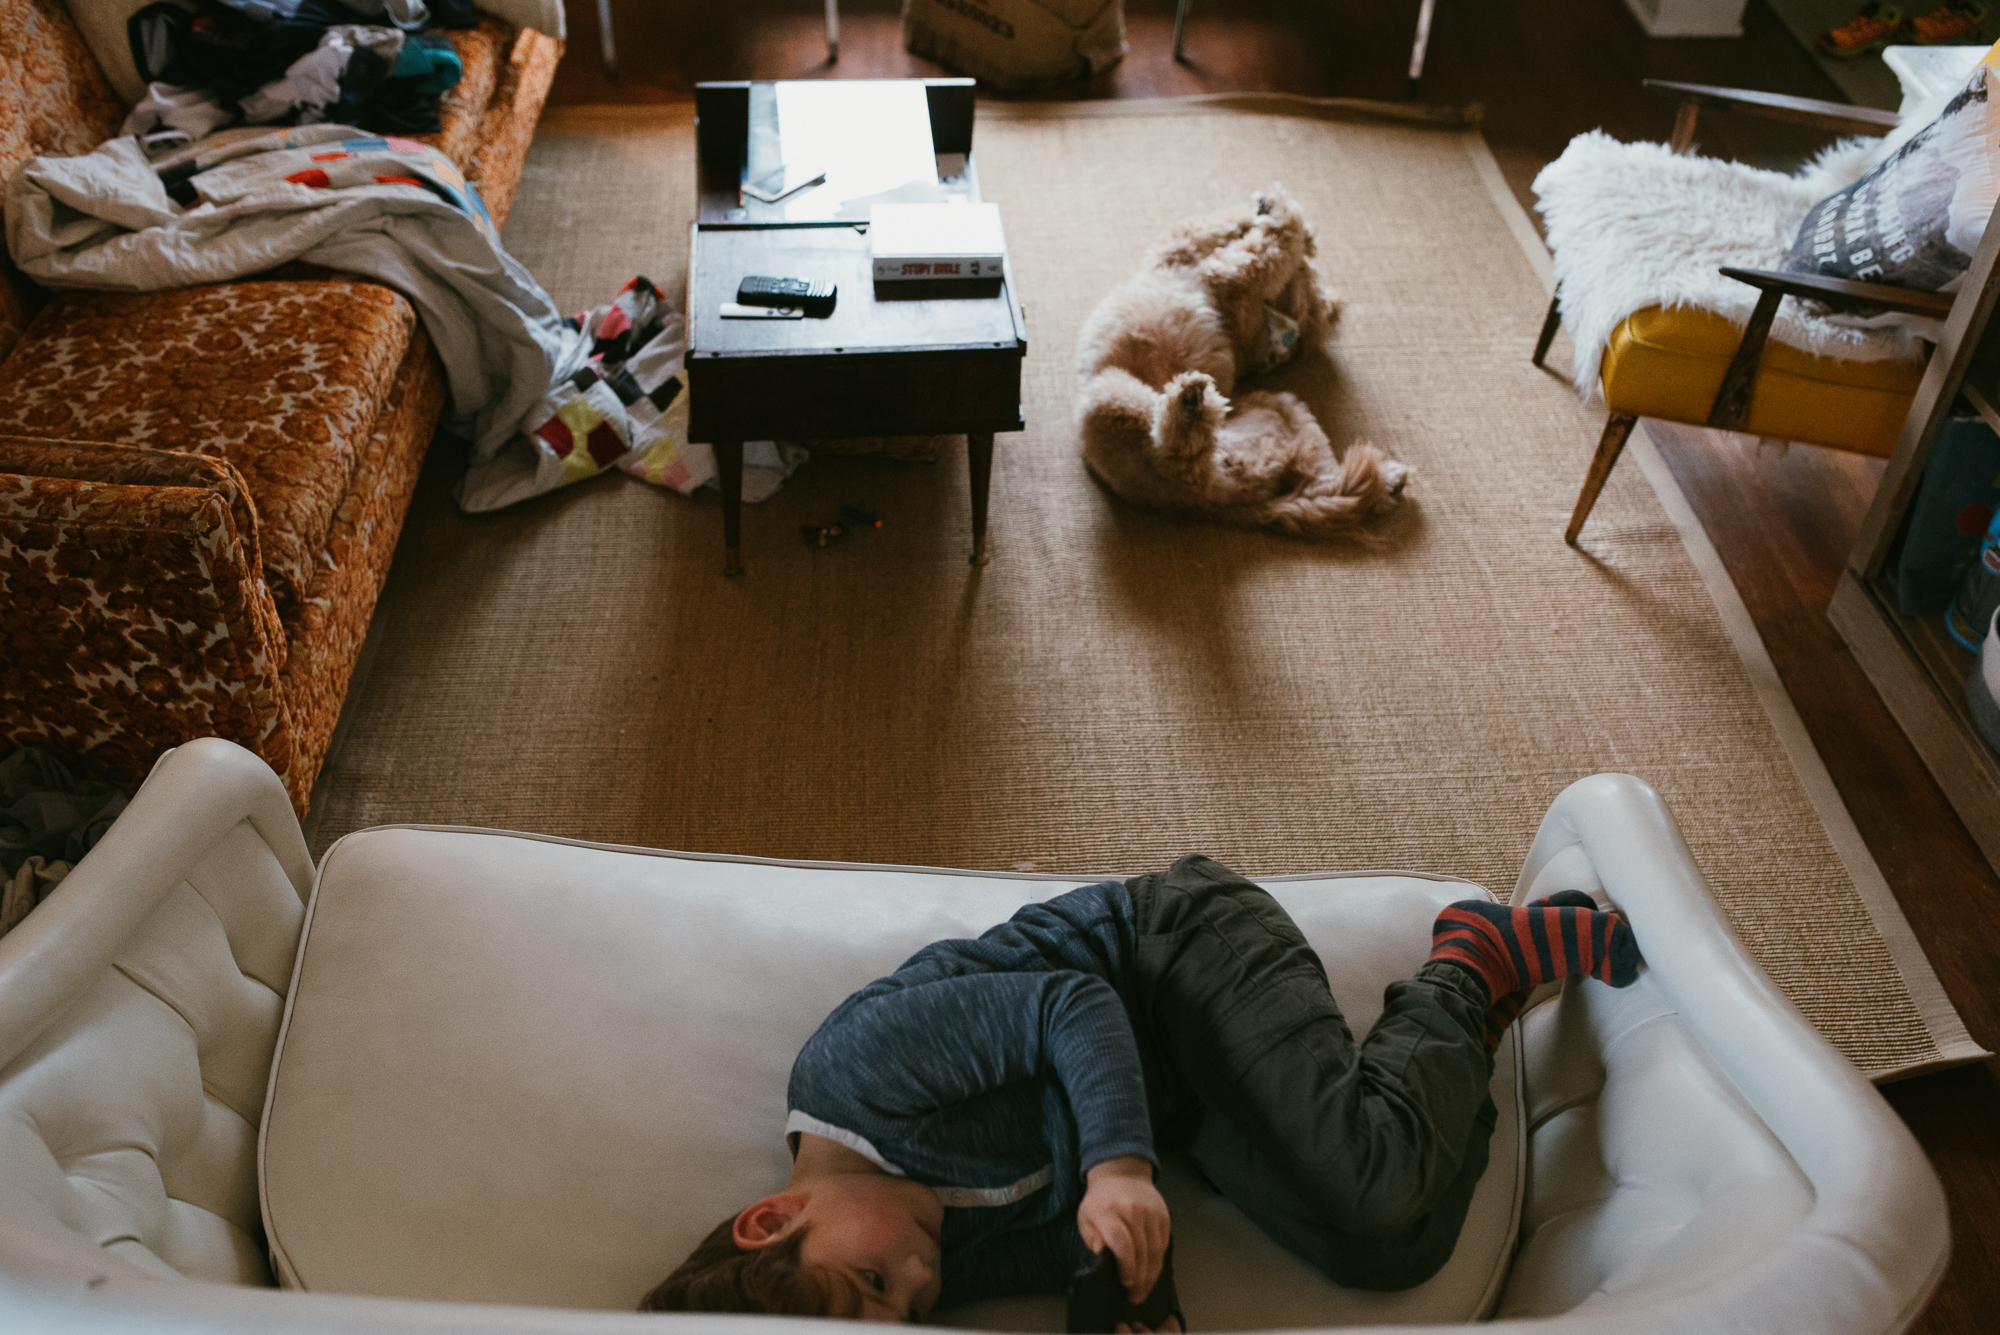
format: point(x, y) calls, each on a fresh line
point(1157, 363)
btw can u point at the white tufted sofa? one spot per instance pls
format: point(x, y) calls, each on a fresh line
point(468, 1080)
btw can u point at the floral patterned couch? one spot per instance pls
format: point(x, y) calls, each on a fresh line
point(200, 490)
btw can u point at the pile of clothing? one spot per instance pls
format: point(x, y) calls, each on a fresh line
point(373, 64)
point(50, 816)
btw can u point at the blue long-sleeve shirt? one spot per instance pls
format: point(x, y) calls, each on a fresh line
point(997, 1071)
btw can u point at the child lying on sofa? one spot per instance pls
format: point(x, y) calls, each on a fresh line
point(988, 1117)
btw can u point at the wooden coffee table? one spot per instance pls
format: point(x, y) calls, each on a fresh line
point(892, 359)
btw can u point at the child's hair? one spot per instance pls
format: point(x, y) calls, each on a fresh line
point(720, 1276)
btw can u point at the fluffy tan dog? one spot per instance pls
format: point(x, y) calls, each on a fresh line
point(1157, 363)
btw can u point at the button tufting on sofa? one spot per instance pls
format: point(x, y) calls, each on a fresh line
point(527, 1070)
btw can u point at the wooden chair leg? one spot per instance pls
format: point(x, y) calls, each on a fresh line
point(1609, 446)
point(1684, 120)
point(1550, 323)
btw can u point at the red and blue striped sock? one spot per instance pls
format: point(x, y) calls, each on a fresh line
point(1516, 950)
point(1505, 1010)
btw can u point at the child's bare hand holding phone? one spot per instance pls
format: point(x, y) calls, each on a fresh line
point(1124, 1211)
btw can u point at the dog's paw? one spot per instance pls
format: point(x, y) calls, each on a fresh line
point(1191, 398)
point(1396, 475)
point(1194, 396)
point(1190, 409)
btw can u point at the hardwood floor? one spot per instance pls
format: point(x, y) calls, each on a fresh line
point(1783, 523)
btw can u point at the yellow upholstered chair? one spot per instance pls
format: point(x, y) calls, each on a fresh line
point(1686, 364)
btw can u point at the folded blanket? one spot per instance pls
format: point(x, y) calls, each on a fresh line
point(393, 210)
point(627, 409)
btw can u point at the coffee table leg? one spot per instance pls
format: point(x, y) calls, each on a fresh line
point(979, 453)
point(729, 474)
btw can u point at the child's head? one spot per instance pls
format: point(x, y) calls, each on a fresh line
point(855, 1245)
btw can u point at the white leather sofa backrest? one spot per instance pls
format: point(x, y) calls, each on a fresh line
point(139, 1005)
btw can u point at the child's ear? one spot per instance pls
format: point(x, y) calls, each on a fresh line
point(763, 1223)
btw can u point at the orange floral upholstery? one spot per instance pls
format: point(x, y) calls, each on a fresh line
point(134, 616)
point(354, 564)
point(209, 565)
point(53, 99)
point(284, 380)
point(508, 126)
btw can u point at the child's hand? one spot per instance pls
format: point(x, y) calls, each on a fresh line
point(1124, 1211)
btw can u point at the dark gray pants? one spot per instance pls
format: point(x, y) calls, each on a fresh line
point(1360, 1157)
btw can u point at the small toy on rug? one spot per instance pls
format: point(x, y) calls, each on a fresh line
point(1157, 363)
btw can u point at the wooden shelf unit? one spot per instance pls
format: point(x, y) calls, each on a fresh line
point(1918, 669)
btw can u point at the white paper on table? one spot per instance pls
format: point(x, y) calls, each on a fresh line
point(910, 192)
point(872, 136)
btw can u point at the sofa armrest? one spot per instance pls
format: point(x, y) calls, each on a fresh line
point(508, 125)
point(186, 809)
point(1872, 1246)
point(137, 614)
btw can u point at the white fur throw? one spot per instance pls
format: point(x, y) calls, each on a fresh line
point(1637, 225)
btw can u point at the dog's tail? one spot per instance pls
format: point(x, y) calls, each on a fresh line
point(1368, 483)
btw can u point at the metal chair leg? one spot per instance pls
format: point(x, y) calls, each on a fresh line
point(1180, 20)
point(1609, 446)
point(604, 30)
point(832, 32)
point(1550, 323)
point(1421, 45)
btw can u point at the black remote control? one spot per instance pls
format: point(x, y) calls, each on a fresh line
point(812, 298)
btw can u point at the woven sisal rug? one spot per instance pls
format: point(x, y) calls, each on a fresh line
point(1117, 687)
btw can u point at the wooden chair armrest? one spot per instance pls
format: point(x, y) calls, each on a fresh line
point(1732, 400)
point(1839, 117)
point(1844, 294)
